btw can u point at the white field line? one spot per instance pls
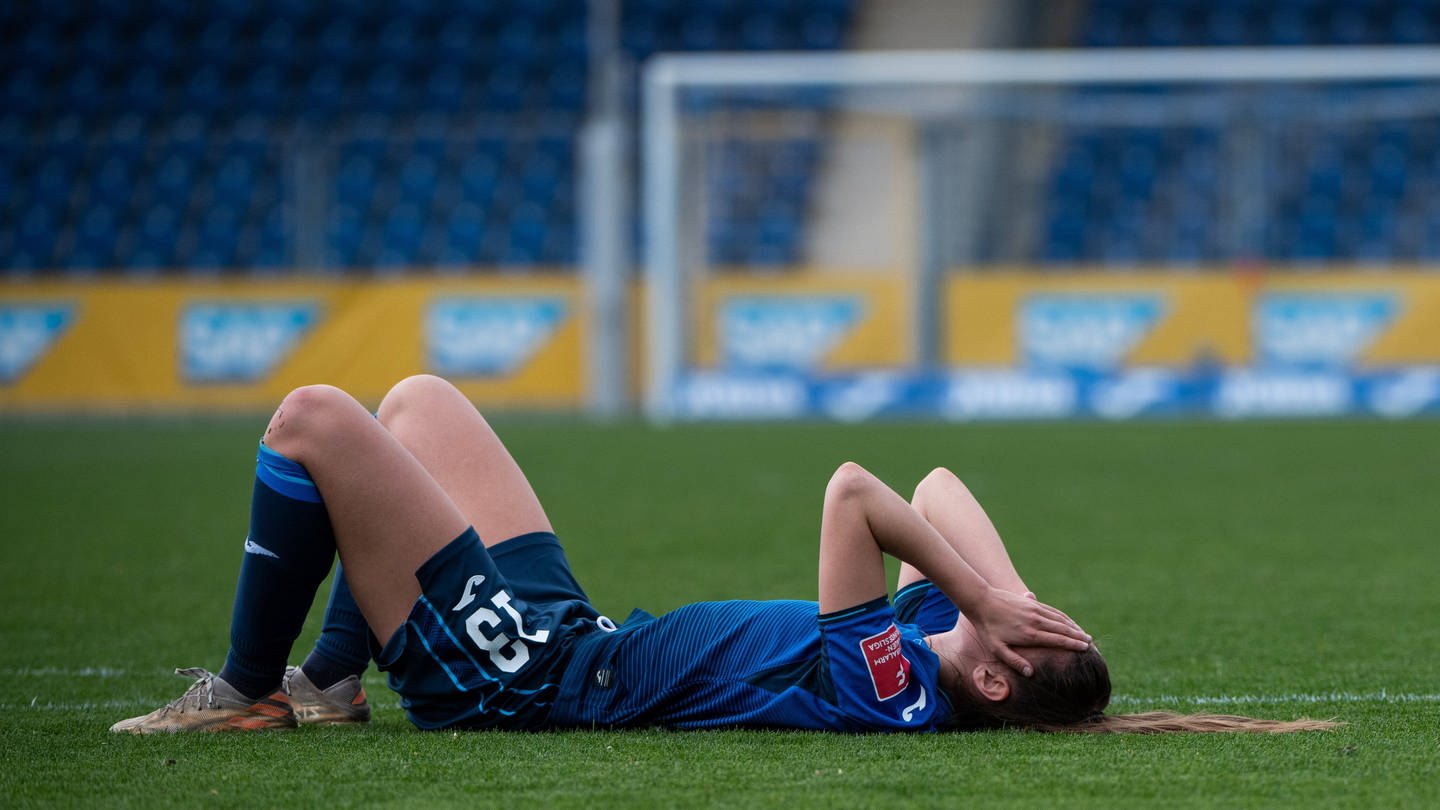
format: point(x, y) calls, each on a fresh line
point(1119, 701)
point(1382, 696)
point(38, 704)
point(63, 672)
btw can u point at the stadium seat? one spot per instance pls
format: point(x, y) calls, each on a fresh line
point(1316, 182)
point(192, 108)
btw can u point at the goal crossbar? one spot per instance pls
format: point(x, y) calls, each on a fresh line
point(666, 75)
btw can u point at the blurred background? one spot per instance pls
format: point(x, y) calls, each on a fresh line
point(725, 208)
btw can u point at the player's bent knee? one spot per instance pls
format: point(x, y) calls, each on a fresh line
point(308, 416)
point(938, 481)
point(848, 481)
point(940, 477)
point(414, 392)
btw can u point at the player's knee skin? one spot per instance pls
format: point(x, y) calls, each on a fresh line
point(847, 483)
point(418, 394)
point(939, 478)
point(933, 486)
point(410, 393)
point(310, 417)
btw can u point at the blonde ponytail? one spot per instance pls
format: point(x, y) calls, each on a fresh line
point(1171, 723)
point(1069, 693)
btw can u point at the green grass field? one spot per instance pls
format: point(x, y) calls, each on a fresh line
point(1275, 569)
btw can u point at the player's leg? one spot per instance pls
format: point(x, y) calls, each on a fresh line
point(381, 507)
point(326, 688)
point(287, 552)
point(440, 427)
point(493, 603)
point(389, 515)
point(943, 500)
point(461, 452)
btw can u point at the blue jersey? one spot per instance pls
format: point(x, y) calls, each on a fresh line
point(759, 664)
point(505, 637)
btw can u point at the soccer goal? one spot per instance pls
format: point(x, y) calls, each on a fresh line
point(1107, 233)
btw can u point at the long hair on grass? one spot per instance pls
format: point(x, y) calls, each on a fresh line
point(1069, 692)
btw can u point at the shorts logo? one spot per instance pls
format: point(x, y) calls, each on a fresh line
point(240, 342)
point(1090, 332)
point(786, 333)
point(487, 337)
point(889, 668)
point(1320, 330)
point(26, 333)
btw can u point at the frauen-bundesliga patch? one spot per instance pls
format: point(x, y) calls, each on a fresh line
point(889, 668)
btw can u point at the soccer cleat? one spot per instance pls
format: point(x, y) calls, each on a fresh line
point(342, 703)
point(211, 704)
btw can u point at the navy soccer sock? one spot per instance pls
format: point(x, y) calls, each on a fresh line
point(343, 648)
point(287, 555)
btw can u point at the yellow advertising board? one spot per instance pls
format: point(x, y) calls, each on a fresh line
point(1371, 341)
point(814, 320)
point(195, 344)
point(1334, 319)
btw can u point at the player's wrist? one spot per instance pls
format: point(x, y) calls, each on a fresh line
point(970, 596)
point(986, 600)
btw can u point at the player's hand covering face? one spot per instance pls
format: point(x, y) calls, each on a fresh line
point(1008, 620)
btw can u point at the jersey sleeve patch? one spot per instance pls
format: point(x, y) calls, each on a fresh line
point(889, 668)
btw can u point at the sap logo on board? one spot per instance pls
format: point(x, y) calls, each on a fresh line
point(229, 342)
point(26, 333)
point(1251, 392)
point(785, 332)
point(489, 337)
point(1318, 330)
point(1006, 394)
point(1083, 331)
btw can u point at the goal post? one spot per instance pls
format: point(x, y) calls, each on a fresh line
point(955, 154)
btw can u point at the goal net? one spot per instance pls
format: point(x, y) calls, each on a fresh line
point(1042, 234)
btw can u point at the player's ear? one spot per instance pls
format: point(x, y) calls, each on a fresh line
point(990, 683)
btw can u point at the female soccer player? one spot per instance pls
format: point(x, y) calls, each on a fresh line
point(455, 583)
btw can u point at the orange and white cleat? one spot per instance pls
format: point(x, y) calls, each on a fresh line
point(340, 704)
point(211, 704)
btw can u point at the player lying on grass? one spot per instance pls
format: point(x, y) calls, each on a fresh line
point(450, 561)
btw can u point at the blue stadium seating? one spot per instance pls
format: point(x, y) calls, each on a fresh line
point(162, 134)
point(1341, 194)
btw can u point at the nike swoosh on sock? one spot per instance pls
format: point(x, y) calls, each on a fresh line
point(252, 547)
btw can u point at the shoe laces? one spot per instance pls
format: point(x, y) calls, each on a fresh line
point(200, 695)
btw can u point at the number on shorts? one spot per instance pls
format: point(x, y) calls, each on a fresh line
point(507, 654)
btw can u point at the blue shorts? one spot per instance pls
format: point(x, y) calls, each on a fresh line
point(486, 643)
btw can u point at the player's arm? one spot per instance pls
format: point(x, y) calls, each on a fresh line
point(863, 520)
point(946, 503)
